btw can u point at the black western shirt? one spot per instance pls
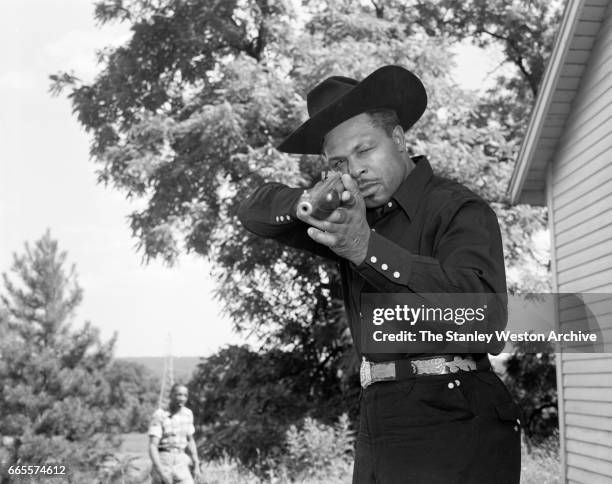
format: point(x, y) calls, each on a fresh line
point(433, 236)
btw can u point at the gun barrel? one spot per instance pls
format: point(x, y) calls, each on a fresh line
point(321, 207)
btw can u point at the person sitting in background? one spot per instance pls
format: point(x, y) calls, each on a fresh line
point(170, 434)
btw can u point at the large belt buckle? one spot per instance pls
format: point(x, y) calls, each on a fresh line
point(365, 373)
point(434, 366)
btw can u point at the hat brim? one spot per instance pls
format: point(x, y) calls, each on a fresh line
point(391, 87)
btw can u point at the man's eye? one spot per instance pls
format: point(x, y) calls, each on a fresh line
point(365, 150)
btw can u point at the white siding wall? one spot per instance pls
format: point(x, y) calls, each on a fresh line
point(581, 202)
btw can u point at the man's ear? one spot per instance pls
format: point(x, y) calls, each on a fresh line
point(399, 138)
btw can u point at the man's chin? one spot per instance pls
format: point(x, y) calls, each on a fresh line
point(373, 201)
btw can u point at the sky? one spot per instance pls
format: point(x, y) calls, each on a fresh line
point(47, 181)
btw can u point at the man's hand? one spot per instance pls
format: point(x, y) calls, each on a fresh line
point(196, 471)
point(346, 230)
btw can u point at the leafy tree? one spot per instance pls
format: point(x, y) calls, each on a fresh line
point(525, 32)
point(133, 396)
point(186, 116)
point(247, 401)
point(62, 400)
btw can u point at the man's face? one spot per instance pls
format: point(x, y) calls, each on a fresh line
point(369, 155)
point(179, 396)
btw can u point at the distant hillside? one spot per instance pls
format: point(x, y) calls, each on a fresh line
point(183, 365)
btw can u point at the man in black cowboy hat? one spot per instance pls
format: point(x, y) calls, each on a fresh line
point(425, 418)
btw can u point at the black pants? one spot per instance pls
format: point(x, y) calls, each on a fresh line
point(458, 428)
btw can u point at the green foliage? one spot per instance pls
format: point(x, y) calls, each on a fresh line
point(318, 451)
point(524, 30)
point(186, 114)
point(531, 379)
point(133, 396)
point(247, 401)
point(312, 453)
point(541, 464)
point(124, 470)
point(62, 399)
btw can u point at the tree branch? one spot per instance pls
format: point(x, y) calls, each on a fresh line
point(380, 9)
point(516, 60)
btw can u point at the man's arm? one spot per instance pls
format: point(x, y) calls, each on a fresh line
point(193, 451)
point(270, 212)
point(468, 257)
point(154, 454)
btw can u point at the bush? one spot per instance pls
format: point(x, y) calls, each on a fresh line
point(532, 381)
point(244, 402)
point(541, 465)
point(318, 452)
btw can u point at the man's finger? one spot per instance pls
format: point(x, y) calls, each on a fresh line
point(347, 198)
point(325, 238)
point(338, 216)
point(350, 184)
point(351, 195)
point(328, 224)
point(309, 219)
point(325, 225)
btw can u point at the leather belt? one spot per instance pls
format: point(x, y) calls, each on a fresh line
point(174, 450)
point(408, 368)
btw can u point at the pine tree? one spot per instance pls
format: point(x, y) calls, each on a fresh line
point(56, 401)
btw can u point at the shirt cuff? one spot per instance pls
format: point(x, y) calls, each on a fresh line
point(284, 211)
point(386, 259)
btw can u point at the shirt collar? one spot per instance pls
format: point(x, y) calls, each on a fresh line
point(410, 192)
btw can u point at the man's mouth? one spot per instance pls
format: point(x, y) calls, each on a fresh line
point(367, 189)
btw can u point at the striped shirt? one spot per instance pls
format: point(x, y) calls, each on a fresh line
point(172, 430)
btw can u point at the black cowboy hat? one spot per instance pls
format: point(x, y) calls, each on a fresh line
point(339, 98)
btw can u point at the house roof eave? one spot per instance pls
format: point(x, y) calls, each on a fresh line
point(525, 158)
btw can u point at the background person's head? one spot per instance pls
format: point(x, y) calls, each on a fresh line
point(178, 395)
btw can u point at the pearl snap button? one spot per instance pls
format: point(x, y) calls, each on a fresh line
point(384, 267)
point(457, 382)
point(396, 274)
point(451, 385)
point(390, 204)
point(515, 428)
point(281, 218)
point(373, 259)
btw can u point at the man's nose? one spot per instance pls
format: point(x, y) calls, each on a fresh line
point(357, 169)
